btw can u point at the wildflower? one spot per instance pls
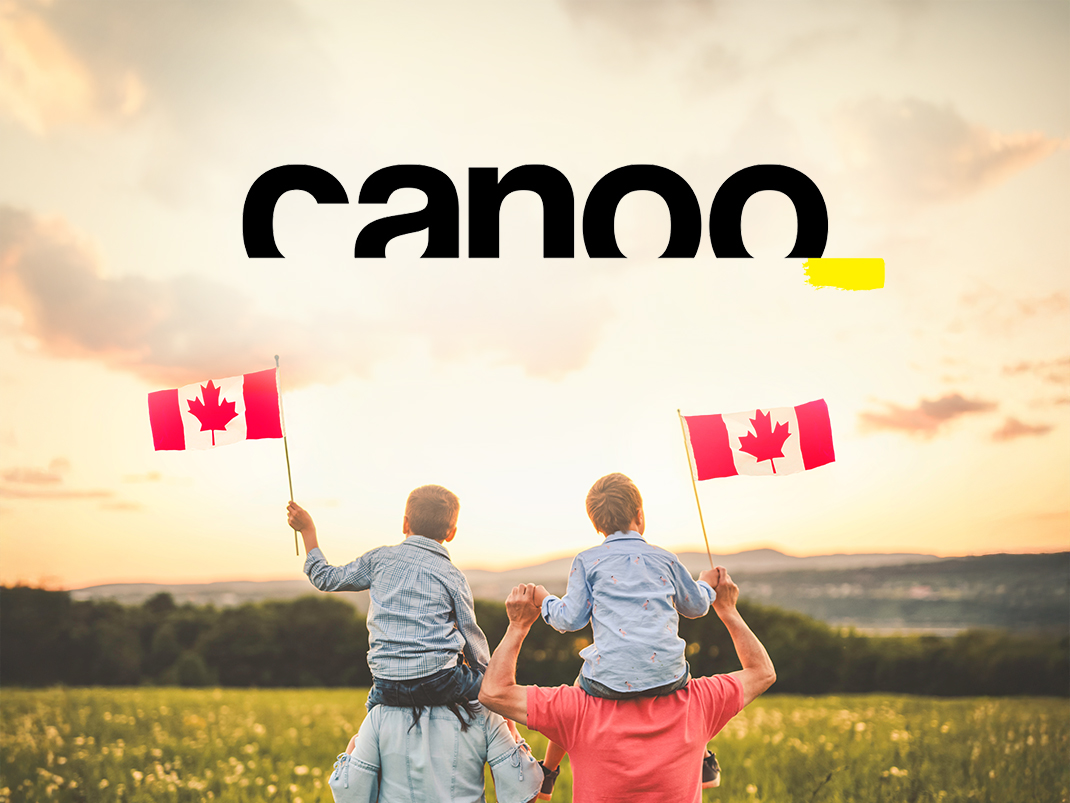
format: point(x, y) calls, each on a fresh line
point(752, 789)
point(271, 789)
point(103, 783)
point(860, 726)
point(300, 769)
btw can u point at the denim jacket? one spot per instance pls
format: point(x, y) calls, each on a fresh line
point(434, 761)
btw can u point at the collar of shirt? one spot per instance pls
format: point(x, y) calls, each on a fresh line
point(423, 542)
point(619, 535)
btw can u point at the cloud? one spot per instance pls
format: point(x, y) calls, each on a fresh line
point(187, 328)
point(996, 312)
point(646, 22)
point(1055, 371)
point(37, 476)
point(21, 476)
point(121, 506)
point(163, 331)
point(42, 84)
point(143, 68)
point(916, 151)
point(151, 476)
point(58, 494)
point(1013, 428)
point(71, 63)
point(927, 418)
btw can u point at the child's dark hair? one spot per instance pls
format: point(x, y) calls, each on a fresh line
point(470, 707)
point(432, 511)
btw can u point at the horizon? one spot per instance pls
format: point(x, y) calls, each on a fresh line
point(545, 560)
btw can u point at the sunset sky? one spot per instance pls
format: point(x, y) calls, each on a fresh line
point(130, 133)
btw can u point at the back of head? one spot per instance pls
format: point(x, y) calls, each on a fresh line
point(432, 511)
point(612, 503)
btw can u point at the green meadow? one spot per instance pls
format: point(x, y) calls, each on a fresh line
point(171, 744)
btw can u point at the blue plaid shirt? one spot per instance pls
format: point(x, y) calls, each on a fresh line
point(421, 615)
point(631, 592)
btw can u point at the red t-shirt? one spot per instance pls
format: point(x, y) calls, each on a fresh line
point(644, 749)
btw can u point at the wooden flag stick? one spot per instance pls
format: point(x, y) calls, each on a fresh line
point(694, 485)
point(285, 448)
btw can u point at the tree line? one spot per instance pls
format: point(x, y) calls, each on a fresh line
point(47, 638)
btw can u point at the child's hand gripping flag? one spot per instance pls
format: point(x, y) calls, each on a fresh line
point(217, 412)
point(779, 440)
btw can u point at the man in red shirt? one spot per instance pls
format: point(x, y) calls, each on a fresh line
point(647, 748)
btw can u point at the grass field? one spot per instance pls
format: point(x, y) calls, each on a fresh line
point(151, 744)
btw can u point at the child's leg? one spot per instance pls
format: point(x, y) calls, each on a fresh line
point(554, 754)
point(550, 770)
point(550, 764)
point(554, 751)
point(711, 771)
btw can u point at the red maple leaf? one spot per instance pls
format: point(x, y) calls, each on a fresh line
point(765, 443)
point(212, 413)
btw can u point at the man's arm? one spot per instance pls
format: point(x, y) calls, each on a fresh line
point(500, 693)
point(356, 776)
point(757, 673)
point(517, 775)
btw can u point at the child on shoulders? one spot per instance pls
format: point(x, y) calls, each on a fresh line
point(425, 648)
point(633, 594)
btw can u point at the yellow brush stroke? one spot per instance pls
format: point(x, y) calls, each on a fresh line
point(846, 274)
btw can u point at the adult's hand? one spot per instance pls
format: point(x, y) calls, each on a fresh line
point(727, 593)
point(520, 606)
point(713, 576)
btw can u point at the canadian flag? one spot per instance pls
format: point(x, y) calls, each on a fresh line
point(217, 412)
point(778, 440)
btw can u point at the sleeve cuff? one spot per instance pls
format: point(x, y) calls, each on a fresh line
point(546, 607)
point(314, 556)
point(708, 587)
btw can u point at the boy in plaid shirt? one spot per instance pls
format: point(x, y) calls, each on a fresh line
point(425, 648)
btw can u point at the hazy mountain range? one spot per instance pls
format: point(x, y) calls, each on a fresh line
point(486, 584)
point(901, 592)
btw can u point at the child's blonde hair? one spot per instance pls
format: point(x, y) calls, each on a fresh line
point(613, 503)
point(432, 511)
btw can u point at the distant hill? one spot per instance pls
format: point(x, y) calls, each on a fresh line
point(882, 593)
point(554, 574)
point(222, 595)
point(485, 584)
point(1018, 592)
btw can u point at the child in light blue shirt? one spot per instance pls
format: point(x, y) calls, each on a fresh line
point(633, 593)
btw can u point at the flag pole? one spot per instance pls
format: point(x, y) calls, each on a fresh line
point(694, 485)
point(286, 449)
